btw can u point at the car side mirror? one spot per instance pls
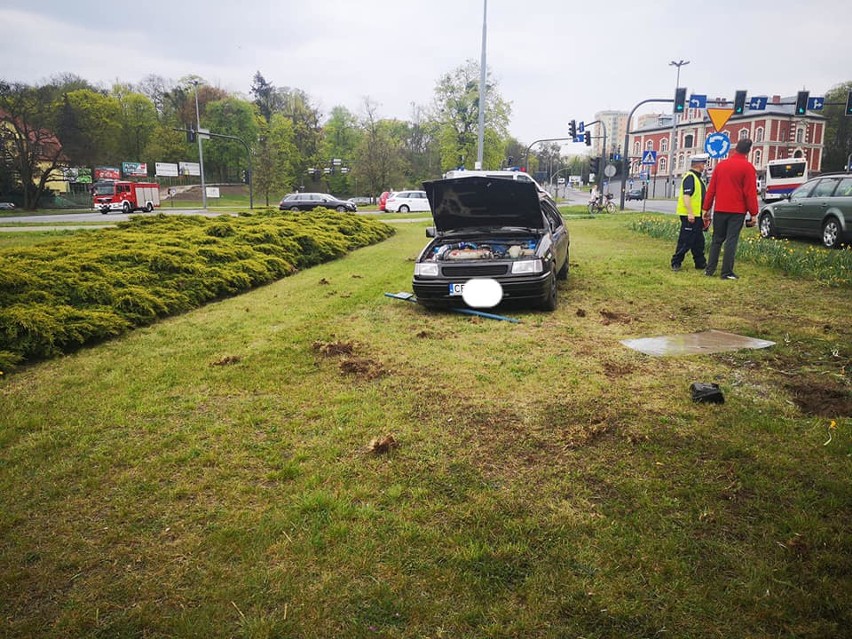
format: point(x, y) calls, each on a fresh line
point(430, 231)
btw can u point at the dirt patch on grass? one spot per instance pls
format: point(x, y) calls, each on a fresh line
point(362, 367)
point(608, 317)
point(614, 370)
point(382, 445)
point(821, 398)
point(228, 360)
point(333, 349)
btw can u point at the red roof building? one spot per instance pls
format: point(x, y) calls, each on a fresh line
point(777, 133)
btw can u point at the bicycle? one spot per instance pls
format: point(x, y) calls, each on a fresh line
point(598, 206)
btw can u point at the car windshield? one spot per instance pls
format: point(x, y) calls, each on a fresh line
point(104, 188)
point(803, 191)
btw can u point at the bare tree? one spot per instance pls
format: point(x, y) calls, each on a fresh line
point(30, 147)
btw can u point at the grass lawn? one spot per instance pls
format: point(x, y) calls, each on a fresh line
point(229, 472)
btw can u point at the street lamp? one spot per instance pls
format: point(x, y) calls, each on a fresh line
point(482, 97)
point(673, 145)
point(200, 151)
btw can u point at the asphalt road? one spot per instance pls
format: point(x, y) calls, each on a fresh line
point(94, 219)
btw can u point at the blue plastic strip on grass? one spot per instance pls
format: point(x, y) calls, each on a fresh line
point(409, 297)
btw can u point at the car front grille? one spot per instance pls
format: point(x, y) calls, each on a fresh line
point(482, 270)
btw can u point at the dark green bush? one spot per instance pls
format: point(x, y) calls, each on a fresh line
point(58, 296)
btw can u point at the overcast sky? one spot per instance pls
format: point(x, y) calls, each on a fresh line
point(553, 60)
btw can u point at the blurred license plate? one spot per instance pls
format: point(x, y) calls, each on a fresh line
point(456, 289)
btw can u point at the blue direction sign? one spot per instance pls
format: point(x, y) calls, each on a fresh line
point(758, 103)
point(717, 145)
point(581, 127)
point(816, 104)
point(649, 157)
point(697, 101)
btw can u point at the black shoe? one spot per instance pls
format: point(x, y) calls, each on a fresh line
point(730, 276)
point(675, 267)
point(708, 273)
point(700, 268)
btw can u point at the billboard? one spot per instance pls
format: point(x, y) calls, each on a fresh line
point(77, 174)
point(190, 168)
point(107, 173)
point(134, 169)
point(166, 169)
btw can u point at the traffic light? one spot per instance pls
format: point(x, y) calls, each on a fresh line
point(594, 165)
point(190, 135)
point(739, 102)
point(802, 102)
point(572, 129)
point(680, 100)
point(849, 104)
point(587, 137)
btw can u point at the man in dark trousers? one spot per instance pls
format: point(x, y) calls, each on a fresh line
point(733, 190)
point(692, 192)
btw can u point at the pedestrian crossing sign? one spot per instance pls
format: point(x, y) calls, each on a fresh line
point(649, 157)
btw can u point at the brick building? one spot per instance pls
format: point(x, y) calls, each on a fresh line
point(776, 131)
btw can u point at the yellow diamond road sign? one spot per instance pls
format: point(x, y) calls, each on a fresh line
point(719, 117)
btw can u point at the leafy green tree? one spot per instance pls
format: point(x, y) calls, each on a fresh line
point(168, 145)
point(275, 158)
point(420, 149)
point(138, 120)
point(340, 137)
point(838, 129)
point(379, 163)
point(457, 112)
point(307, 133)
point(225, 160)
point(266, 97)
point(90, 125)
point(515, 153)
point(31, 150)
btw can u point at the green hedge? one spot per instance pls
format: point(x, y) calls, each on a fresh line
point(58, 296)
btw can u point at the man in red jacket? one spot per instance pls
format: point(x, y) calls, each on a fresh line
point(733, 190)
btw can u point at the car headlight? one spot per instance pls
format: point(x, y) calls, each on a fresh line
point(427, 270)
point(527, 267)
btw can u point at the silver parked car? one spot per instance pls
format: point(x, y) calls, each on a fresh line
point(820, 208)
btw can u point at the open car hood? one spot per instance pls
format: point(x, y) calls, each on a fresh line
point(481, 202)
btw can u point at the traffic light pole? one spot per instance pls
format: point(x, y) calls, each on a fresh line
point(627, 140)
point(599, 176)
point(248, 158)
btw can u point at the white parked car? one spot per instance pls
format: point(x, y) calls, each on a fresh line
point(405, 201)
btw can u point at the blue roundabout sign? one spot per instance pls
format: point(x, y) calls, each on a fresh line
point(717, 145)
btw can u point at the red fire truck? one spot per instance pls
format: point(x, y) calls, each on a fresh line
point(119, 195)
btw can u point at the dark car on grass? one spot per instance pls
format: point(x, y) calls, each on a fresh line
point(311, 201)
point(820, 208)
point(493, 228)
